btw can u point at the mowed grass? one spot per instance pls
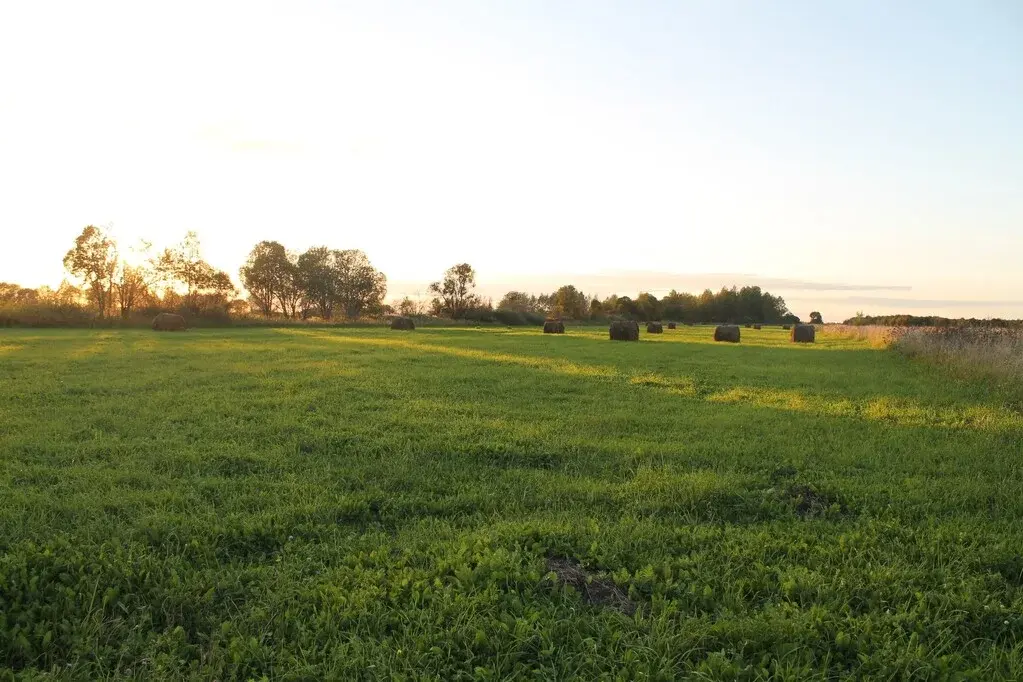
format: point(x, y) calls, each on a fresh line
point(373, 504)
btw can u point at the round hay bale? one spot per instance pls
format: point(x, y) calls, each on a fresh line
point(169, 322)
point(803, 333)
point(756, 326)
point(654, 328)
point(786, 327)
point(404, 323)
point(671, 325)
point(553, 327)
point(727, 332)
point(624, 330)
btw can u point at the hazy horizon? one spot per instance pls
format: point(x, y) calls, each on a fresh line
point(846, 156)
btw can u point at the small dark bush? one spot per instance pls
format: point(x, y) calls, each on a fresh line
point(534, 318)
point(510, 317)
point(518, 319)
point(403, 323)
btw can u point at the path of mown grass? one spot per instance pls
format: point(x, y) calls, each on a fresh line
point(372, 504)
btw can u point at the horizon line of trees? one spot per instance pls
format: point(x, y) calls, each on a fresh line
point(342, 284)
point(748, 304)
point(321, 282)
point(178, 277)
point(929, 321)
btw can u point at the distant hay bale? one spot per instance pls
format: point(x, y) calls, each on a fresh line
point(803, 333)
point(404, 323)
point(786, 327)
point(748, 325)
point(727, 332)
point(624, 330)
point(756, 326)
point(553, 327)
point(654, 328)
point(671, 325)
point(169, 322)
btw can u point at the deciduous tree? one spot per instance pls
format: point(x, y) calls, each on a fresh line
point(266, 275)
point(317, 281)
point(456, 290)
point(340, 280)
point(205, 286)
point(519, 301)
point(360, 288)
point(93, 259)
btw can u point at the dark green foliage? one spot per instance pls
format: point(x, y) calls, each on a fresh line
point(728, 305)
point(517, 318)
point(929, 321)
point(403, 323)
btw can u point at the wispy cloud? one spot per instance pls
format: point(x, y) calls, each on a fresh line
point(239, 138)
point(928, 303)
point(630, 282)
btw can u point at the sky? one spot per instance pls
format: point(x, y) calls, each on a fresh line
point(847, 155)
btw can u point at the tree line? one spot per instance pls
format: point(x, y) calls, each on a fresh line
point(332, 284)
point(112, 284)
point(929, 321)
point(749, 304)
point(321, 282)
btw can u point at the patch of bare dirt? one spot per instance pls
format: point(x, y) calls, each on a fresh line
point(809, 502)
point(596, 590)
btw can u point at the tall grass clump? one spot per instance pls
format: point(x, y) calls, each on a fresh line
point(991, 351)
point(878, 336)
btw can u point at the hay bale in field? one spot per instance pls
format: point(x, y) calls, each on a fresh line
point(671, 325)
point(169, 322)
point(404, 323)
point(756, 326)
point(654, 328)
point(553, 327)
point(786, 327)
point(748, 325)
point(803, 333)
point(624, 330)
point(727, 332)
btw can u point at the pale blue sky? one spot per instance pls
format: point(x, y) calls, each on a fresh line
point(705, 143)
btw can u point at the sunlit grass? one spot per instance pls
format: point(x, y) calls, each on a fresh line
point(365, 504)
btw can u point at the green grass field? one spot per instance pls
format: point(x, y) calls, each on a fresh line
point(494, 504)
